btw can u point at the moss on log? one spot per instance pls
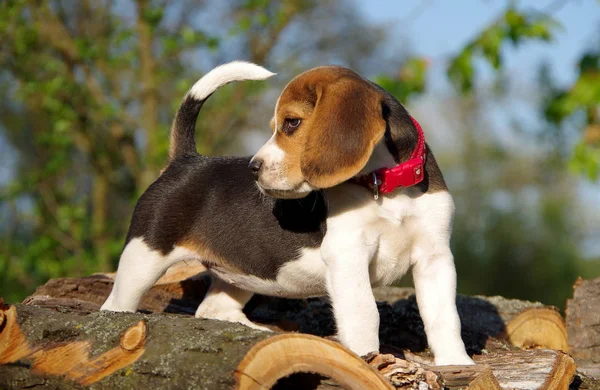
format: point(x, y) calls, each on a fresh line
point(484, 319)
point(180, 351)
point(48, 348)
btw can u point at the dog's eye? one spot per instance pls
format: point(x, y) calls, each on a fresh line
point(290, 124)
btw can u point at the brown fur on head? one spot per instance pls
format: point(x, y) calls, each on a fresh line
point(341, 121)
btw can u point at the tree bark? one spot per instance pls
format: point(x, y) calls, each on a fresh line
point(184, 350)
point(583, 326)
point(65, 349)
point(487, 322)
point(48, 349)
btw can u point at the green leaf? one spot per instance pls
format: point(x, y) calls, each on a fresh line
point(244, 23)
point(61, 126)
point(213, 43)
point(461, 71)
point(410, 81)
point(263, 19)
point(586, 161)
point(170, 44)
point(153, 16)
point(514, 26)
point(513, 18)
point(188, 35)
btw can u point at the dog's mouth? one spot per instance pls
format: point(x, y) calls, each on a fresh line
point(299, 192)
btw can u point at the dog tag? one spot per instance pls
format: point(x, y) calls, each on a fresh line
point(375, 187)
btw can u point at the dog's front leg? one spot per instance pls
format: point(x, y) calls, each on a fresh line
point(434, 275)
point(349, 287)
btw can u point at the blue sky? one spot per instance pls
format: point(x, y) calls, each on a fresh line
point(439, 28)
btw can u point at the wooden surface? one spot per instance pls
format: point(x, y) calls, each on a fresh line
point(538, 327)
point(182, 350)
point(583, 326)
point(533, 369)
point(482, 318)
point(284, 355)
point(67, 349)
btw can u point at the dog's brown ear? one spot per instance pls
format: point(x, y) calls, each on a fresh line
point(346, 124)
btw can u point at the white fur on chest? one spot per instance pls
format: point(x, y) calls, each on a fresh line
point(388, 224)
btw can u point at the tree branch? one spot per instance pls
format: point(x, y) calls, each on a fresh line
point(149, 94)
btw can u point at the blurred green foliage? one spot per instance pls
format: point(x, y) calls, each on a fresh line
point(580, 103)
point(90, 87)
point(583, 96)
point(93, 94)
point(533, 246)
point(514, 27)
point(410, 80)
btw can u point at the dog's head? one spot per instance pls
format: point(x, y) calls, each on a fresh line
point(326, 124)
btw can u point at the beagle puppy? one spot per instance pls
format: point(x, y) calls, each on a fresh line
point(344, 196)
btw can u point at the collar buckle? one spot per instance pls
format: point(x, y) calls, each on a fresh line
point(375, 186)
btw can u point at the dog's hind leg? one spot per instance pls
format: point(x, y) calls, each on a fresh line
point(139, 268)
point(225, 302)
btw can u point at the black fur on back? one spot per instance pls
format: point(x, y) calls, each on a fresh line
point(215, 201)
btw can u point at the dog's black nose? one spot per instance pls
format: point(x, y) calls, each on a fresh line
point(254, 166)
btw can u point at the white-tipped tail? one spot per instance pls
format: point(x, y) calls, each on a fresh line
point(183, 141)
point(225, 74)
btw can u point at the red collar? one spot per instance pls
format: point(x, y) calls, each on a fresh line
point(406, 174)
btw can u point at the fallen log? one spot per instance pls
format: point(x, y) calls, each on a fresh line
point(180, 290)
point(583, 326)
point(520, 323)
point(66, 349)
point(492, 326)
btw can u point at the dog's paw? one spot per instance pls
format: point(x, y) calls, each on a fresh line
point(111, 306)
point(232, 316)
point(454, 360)
point(252, 325)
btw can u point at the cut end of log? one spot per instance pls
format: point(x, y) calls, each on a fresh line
point(538, 328)
point(70, 359)
point(287, 354)
point(74, 357)
point(134, 337)
point(13, 344)
point(280, 356)
point(534, 369)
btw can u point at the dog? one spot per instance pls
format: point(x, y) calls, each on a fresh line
point(344, 196)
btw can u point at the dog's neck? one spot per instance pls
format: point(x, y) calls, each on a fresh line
point(383, 174)
point(380, 158)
